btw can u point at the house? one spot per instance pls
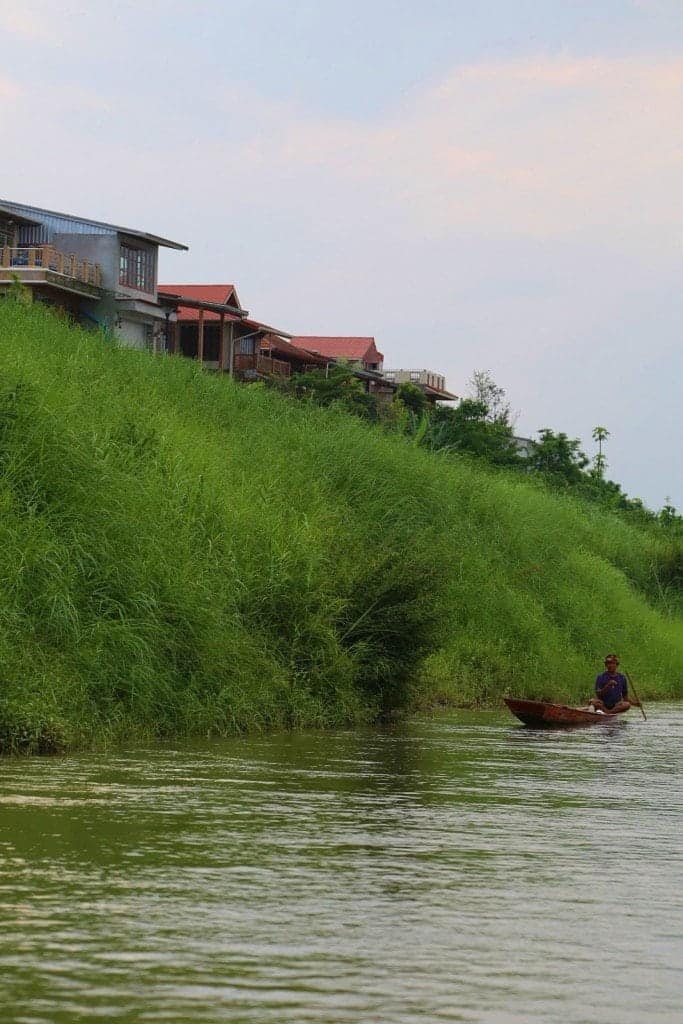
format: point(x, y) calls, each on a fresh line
point(209, 324)
point(281, 358)
point(432, 384)
point(360, 353)
point(203, 322)
point(526, 447)
point(103, 274)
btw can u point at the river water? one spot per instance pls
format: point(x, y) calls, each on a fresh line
point(456, 868)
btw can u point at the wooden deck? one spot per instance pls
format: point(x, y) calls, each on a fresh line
point(27, 263)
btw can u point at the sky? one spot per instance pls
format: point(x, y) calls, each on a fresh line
point(479, 184)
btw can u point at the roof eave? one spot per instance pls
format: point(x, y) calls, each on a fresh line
point(173, 299)
point(440, 396)
point(267, 329)
point(154, 239)
point(17, 216)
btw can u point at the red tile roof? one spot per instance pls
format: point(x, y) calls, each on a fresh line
point(220, 293)
point(340, 348)
point(274, 343)
point(207, 292)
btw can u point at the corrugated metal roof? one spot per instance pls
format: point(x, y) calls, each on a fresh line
point(81, 225)
point(16, 216)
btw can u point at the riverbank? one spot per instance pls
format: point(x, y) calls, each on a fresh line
point(180, 554)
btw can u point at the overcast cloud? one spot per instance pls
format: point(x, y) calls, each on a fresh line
point(480, 186)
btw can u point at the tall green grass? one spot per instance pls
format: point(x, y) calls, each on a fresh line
point(181, 554)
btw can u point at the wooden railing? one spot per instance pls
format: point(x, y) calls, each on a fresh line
point(273, 367)
point(243, 361)
point(46, 257)
point(261, 364)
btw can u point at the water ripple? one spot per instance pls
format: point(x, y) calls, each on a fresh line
point(459, 868)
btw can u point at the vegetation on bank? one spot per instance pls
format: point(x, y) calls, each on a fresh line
point(480, 428)
point(181, 554)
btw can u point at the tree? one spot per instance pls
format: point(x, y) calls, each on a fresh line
point(479, 426)
point(412, 397)
point(467, 430)
point(669, 517)
point(336, 384)
point(559, 457)
point(486, 390)
point(600, 434)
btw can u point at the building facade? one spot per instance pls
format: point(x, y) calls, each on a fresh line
point(211, 326)
point(102, 274)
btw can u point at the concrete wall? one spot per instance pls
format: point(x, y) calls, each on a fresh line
point(133, 333)
point(428, 377)
point(102, 249)
point(106, 250)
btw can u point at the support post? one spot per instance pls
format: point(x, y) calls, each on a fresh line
point(200, 336)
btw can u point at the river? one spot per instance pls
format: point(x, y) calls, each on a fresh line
point(451, 868)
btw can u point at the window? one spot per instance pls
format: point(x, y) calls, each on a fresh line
point(136, 268)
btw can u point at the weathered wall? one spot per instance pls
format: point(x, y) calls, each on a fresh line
point(102, 249)
point(133, 333)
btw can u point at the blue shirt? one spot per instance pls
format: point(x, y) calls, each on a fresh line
point(614, 693)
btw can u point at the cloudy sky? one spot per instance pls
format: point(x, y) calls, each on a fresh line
point(480, 184)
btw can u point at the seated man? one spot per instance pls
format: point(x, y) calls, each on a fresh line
point(611, 689)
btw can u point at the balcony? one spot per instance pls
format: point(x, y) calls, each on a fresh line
point(44, 265)
point(273, 367)
point(252, 366)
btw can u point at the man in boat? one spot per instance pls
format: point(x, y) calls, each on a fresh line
point(611, 689)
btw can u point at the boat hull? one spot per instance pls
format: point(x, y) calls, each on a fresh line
point(541, 714)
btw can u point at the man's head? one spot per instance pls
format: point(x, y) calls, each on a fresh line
point(611, 662)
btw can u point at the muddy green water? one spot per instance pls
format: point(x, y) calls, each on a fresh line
point(459, 868)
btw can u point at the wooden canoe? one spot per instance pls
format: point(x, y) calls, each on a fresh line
point(541, 714)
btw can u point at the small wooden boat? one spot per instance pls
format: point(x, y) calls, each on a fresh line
point(541, 714)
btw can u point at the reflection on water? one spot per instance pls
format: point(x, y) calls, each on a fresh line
point(461, 868)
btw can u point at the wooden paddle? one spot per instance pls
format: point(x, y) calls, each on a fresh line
point(633, 690)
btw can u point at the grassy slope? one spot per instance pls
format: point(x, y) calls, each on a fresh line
point(178, 553)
